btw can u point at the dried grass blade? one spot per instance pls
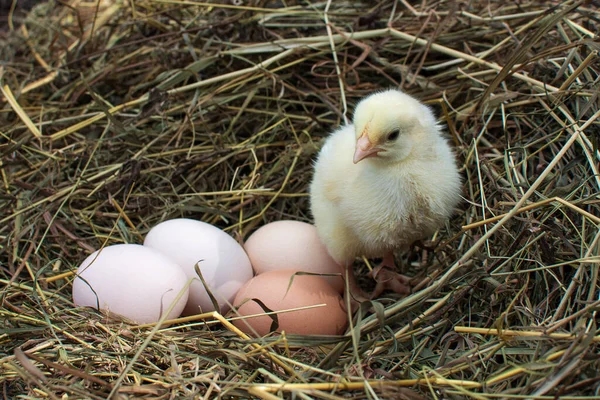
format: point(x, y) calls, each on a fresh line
point(20, 112)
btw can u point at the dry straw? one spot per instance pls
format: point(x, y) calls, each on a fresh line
point(117, 115)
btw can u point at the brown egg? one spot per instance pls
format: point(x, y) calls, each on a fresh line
point(292, 245)
point(274, 290)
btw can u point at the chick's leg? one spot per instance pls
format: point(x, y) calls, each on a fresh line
point(386, 278)
point(388, 261)
point(353, 294)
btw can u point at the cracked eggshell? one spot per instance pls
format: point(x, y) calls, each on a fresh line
point(131, 280)
point(292, 245)
point(271, 288)
point(223, 262)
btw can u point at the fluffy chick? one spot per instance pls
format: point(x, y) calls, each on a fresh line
point(382, 183)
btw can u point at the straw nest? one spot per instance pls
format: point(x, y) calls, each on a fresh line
point(118, 115)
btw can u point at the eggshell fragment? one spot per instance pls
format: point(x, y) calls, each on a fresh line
point(292, 245)
point(271, 288)
point(223, 263)
point(136, 282)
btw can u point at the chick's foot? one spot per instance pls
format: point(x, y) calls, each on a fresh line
point(353, 301)
point(386, 279)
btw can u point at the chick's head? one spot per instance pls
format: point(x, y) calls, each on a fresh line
point(388, 125)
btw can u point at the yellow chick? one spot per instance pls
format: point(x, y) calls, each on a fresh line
point(382, 183)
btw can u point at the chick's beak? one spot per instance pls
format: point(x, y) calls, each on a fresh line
point(364, 148)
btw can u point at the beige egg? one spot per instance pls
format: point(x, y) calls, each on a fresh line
point(131, 280)
point(222, 261)
point(278, 292)
point(292, 245)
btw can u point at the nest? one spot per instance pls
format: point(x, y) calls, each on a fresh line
point(118, 115)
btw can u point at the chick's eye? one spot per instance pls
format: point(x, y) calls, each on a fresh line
point(394, 135)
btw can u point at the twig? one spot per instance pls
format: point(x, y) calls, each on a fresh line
point(510, 334)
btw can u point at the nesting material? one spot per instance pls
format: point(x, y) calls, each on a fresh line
point(154, 110)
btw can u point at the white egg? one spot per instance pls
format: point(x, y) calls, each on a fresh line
point(223, 263)
point(134, 281)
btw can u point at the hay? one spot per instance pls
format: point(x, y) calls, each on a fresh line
point(118, 115)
